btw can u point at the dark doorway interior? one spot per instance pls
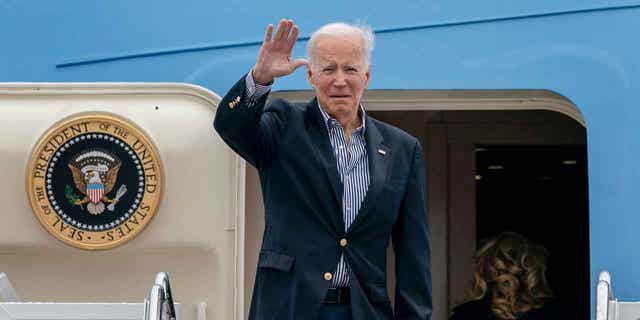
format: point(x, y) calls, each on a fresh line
point(541, 193)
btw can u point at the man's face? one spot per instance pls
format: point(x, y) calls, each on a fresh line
point(338, 74)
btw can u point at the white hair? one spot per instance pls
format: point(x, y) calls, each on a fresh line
point(340, 29)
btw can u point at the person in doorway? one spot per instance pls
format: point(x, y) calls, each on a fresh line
point(509, 282)
point(337, 185)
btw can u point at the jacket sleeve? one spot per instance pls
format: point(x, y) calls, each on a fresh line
point(411, 247)
point(249, 128)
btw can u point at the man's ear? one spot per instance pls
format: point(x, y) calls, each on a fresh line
point(310, 75)
point(367, 76)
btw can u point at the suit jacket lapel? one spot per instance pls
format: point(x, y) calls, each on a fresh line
point(379, 157)
point(318, 132)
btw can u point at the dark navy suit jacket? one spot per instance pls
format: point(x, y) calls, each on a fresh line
point(290, 147)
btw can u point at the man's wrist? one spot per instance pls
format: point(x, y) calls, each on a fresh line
point(260, 79)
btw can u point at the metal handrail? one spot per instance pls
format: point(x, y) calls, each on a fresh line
point(159, 305)
point(7, 292)
point(608, 307)
point(604, 294)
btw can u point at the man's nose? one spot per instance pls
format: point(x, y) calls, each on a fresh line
point(340, 79)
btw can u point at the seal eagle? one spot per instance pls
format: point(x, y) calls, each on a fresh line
point(95, 185)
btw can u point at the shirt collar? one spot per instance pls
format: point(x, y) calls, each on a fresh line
point(330, 121)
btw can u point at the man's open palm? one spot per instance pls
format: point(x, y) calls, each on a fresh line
point(274, 58)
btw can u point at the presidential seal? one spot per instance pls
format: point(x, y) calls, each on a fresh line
point(94, 181)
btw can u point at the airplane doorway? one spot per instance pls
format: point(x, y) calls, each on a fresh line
point(461, 214)
point(541, 193)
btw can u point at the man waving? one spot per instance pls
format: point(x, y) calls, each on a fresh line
point(337, 185)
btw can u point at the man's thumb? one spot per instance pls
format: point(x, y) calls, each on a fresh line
point(299, 63)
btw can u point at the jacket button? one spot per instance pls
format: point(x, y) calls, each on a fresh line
point(343, 242)
point(328, 276)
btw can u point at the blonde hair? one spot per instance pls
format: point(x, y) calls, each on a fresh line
point(511, 270)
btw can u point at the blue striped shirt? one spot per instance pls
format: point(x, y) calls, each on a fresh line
point(353, 167)
point(352, 164)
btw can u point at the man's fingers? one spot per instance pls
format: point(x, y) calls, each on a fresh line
point(267, 36)
point(292, 39)
point(280, 31)
point(285, 35)
point(285, 32)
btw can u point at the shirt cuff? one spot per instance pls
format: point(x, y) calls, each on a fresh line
point(253, 90)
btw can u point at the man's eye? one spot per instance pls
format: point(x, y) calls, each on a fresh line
point(327, 69)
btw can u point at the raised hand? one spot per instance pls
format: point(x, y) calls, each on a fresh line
point(274, 58)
